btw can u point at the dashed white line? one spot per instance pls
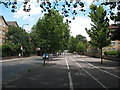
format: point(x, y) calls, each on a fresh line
point(69, 76)
point(89, 74)
point(101, 69)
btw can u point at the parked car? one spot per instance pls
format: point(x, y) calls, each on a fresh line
point(46, 56)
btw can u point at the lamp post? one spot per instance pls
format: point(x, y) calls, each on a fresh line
point(24, 25)
point(23, 29)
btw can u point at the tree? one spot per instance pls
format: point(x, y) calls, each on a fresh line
point(81, 47)
point(115, 35)
point(81, 38)
point(73, 44)
point(99, 31)
point(16, 36)
point(46, 6)
point(116, 32)
point(115, 17)
point(50, 33)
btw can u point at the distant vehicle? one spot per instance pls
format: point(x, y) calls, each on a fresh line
point(74, 52)
point(46, 56)
point(54, 54)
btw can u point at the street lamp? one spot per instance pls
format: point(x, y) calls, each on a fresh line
point(23, 29)
point(24, 25)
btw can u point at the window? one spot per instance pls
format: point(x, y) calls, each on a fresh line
point(0, 40)
point(109, 48)
point(0, 23)
point(3, 25)
point(113, 48)
point(0, 32)
point(3, 33)
point(3, 41)
point(113, 43)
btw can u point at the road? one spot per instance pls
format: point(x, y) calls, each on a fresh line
point(12, 70)
point(66, 71)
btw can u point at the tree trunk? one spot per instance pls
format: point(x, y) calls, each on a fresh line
point(44, 63)
point(101, 57)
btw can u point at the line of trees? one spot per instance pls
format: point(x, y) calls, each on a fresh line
point(50, 34)
point(15, 38)
point(78, 44)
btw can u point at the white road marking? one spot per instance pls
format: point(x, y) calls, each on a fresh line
point(69, 76)
point(89, 74)
point(101, 69)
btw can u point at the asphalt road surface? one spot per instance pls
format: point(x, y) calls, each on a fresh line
point(66, 71)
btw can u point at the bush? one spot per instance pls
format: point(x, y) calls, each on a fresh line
point(6, 50)
point(113, 53)
point(10, 49)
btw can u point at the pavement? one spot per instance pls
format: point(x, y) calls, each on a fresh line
point(24, 58)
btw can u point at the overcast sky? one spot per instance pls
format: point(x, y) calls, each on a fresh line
point(78, 25)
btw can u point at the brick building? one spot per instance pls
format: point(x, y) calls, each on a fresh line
point(115, 45)
point(4, 28)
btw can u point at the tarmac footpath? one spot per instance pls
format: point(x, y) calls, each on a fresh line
point(15, 59)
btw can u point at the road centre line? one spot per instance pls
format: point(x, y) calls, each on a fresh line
point(100, 69)
point(89, 74)
point(69, 76)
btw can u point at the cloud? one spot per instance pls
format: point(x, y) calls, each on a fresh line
point(78, 26)
point(89, 2)
point(35, 9)
point(31, 19)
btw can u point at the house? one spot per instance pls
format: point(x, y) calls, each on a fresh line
point(115, 45)
point(4, 28)
point(12, 23)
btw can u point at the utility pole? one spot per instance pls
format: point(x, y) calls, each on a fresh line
point(22, 34)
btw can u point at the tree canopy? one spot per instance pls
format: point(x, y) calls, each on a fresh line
point(17, 37)
point(50, 32)
point(99, 32)
point(78, 43)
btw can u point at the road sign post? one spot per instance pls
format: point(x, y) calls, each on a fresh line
point(21, 49)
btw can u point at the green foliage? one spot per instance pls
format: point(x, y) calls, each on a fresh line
point(81, 47)
point(16, 37)
point(6, 50)
point(114, 53)
point(78, 43)
point(99, 31)
point(50, 33)
point(73, 44)
point(81, 38)
point(116, 34)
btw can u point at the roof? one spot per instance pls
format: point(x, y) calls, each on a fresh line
point(113, 27)
point(12, 23)
point(3, 19)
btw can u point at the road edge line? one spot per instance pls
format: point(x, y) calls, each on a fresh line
point(90, 74)
point(101, 69)
point(69, 76)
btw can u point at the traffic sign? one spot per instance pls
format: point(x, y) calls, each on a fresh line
point(21, 47)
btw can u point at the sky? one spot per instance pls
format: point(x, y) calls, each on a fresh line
point(77, 26)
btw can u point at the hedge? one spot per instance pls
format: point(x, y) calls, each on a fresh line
point(113, 53)
point(6, 50)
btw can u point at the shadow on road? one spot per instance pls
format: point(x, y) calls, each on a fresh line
point(52, 75)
